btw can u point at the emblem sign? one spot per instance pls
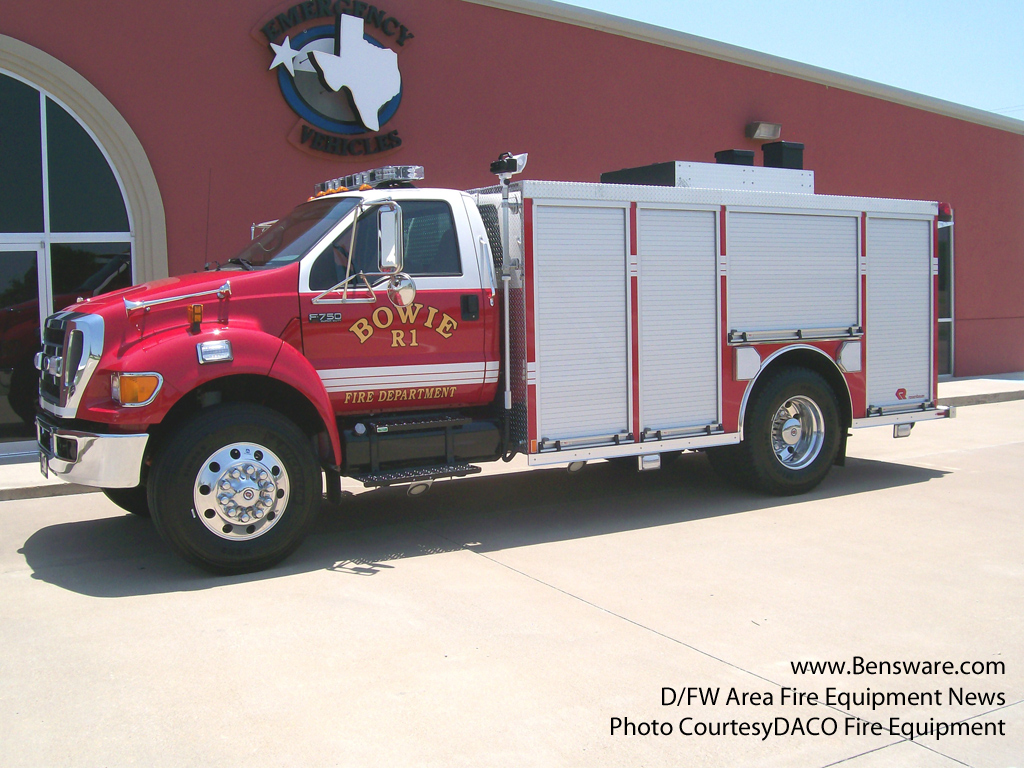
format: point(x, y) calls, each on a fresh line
point(342, 77)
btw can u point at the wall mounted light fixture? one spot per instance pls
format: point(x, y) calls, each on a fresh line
point(762, 131)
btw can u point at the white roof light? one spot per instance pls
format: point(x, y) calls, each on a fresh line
point(374, 178)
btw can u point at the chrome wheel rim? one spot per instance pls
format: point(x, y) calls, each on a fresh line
point(241, 491)
point(798, 432)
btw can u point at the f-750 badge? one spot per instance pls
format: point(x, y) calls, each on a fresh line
point(325, 317)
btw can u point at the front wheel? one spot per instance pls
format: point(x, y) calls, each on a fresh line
point(792, 433)
point(235, 489)
point(134, 500)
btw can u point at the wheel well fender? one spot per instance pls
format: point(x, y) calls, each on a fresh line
point(294, 369)
point(269, 391)
point(813, 359)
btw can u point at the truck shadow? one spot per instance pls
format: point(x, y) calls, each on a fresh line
point(372, 532)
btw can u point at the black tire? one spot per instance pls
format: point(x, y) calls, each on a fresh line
point(134, 500)
point(791, 434)
point(198, 504)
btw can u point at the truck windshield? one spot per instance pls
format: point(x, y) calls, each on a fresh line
point(291, 237)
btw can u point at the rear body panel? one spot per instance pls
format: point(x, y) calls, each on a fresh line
point(650, 312)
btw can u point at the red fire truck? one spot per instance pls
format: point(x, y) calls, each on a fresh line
point(395, 335)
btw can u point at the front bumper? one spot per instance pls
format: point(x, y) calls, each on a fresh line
point(90, 458)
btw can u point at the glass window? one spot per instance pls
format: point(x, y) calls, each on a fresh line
point(329, 268)
point(21, 158)
point(945, 297)
point(19, 341)
point(84, 196)
point(431, 245)
point(290, 238)
point(945, 348)
point(82, 270)
point(945, 272)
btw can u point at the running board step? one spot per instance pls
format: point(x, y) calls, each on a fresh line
point(418, 475)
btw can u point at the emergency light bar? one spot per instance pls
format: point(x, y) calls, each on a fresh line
point(375, 178)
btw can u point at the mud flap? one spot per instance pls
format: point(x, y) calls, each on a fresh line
point(332, 479)
point(841, 454)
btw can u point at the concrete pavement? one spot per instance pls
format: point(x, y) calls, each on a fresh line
point(510, 618)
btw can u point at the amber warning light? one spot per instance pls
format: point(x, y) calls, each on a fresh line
point(135, 388)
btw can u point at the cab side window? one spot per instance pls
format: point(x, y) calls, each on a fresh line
point(430, 238)
point(329, 268)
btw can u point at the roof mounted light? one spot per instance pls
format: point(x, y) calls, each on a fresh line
point(389, 175)
point(508, 165)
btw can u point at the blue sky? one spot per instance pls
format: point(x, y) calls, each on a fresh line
point(969, 51)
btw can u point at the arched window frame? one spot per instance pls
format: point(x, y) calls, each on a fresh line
point(47, 237)
point(115, 138)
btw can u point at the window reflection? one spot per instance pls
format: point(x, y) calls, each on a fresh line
point(84, 196)
point(19, 342)
point(82, 270)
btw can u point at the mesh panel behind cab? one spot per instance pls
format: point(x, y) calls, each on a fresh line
point(489, 213)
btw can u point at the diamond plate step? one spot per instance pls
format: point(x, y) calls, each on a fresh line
point(401, 476)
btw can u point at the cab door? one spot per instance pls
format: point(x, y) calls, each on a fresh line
point(375, 357)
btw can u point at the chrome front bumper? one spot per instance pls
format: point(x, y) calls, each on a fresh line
point(89, 458)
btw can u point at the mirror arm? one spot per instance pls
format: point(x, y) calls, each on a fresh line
point(371, 299)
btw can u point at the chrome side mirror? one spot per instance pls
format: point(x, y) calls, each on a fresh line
point(401, 290)
point(389, 226)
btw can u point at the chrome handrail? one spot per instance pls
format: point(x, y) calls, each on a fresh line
point(223, 292)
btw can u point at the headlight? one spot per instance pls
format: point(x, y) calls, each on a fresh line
point(135, 389)
point(218, 351)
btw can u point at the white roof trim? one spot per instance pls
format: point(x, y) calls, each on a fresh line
point(649, 33)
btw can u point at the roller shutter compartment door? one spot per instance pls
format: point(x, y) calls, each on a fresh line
point(581, 322)
point(678, 319)
point(792, 272)
point(899, 311)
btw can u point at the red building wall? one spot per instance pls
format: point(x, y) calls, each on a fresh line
point(194, 85)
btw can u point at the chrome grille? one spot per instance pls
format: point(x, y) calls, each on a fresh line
point(72, 347)
point(53, 347)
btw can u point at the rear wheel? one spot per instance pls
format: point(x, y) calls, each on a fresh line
point(791, 436)
point(235, 489)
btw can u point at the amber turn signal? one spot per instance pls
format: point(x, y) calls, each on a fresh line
point(134, 388)
point(195, 314)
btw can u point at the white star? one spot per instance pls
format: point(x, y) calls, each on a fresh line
point(284, 54)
